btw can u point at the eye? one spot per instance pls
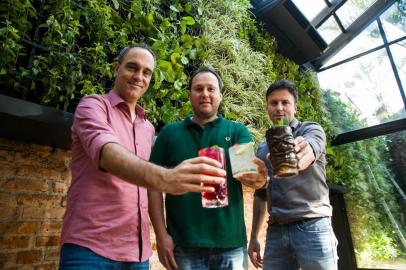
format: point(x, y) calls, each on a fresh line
point(198, 89)
point(274, 103)
point(285, 102)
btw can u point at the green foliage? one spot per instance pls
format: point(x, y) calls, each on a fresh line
point(361, 167)
point(61, 50)
point(79, 41)
point(281, 122)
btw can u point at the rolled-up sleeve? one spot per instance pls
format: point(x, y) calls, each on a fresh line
point(92, 128)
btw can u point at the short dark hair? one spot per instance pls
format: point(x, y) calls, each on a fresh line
point(206, 69)
point(282, 84)
point(144, 46)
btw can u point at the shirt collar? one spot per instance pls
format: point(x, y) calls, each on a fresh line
point(116, 100)
point(216, 122)
point(294, 123)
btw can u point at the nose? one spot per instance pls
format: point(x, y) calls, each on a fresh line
point(205, 93)
point(137, 75)
point(279, 106)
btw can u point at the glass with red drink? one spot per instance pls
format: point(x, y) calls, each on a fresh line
point(218, 198)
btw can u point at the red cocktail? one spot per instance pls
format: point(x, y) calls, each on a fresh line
point(218, 198)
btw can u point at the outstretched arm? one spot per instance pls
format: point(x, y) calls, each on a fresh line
point(186, 177)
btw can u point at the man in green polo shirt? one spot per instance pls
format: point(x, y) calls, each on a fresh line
point(196, 237)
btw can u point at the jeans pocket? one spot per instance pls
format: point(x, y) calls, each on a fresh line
point(314, 225)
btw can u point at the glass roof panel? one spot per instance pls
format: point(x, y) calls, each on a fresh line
point(368, 39)
point(398, 51)
point(329, 30)
point(352, 9)
point(394, 23)
point(310, 10)
point(367, 85)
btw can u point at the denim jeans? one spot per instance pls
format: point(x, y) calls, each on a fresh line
point(75, 257)
point(197, 258)
point(307, 245)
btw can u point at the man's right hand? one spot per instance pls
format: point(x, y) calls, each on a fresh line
point(191, 173)
point(165, 247)
point(254, 251)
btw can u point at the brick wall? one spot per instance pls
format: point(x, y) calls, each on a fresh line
point(33, 184)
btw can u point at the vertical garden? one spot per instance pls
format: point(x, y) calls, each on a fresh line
point(55, 52)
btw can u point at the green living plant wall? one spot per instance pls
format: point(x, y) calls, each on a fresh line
point(54, 52)
point(361, 167)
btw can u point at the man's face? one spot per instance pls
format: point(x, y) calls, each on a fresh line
point(133, 74)
point(205, 95)
point(281, 104)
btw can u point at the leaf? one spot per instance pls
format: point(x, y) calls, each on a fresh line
point(184, 60)
point(188, 7)
point(116, 4)
point(173, 8)
point(231, 115)
point(188, 20)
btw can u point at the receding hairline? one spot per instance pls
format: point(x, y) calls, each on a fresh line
point(207, 72)
point(141, 46)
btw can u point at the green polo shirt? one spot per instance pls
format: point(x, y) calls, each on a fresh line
point(189, 224)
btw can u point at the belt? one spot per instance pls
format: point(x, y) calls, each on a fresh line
point(300, 221)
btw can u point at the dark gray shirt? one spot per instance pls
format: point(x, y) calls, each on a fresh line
point(305, 195)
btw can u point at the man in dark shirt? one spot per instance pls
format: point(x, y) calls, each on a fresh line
point(299, 233)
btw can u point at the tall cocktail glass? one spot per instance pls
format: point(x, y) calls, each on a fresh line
point(218, 198)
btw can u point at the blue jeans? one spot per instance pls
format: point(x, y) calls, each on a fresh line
point(197, 258)
point(309, 245)
point(75, 257)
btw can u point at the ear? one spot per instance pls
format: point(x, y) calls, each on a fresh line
point(295, 108)
point(116, 67)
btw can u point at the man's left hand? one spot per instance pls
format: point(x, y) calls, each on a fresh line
point(304, 153)
point(255, 180)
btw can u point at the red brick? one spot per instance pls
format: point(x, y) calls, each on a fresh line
point(51, 254)
point(29, 256)
point(47, 241)
point(59, 187)
point(48, 266)
point(66, 176)
point(7, 155)
point(6, 170)
point(22, 228)
point(33, 213)
point(8, 199)
point(24, 185)
point(43, 213)
point(50, 228)
point(12, 242)
point(7, 259)
point(38, 172)
point(56, 213)
point(8, 213)
point(40, 200)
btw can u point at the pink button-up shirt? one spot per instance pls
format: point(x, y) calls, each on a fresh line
point(104, 213)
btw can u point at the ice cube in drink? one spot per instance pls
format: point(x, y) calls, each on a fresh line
point(218, 198)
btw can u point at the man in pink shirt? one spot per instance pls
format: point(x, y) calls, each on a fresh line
point(106, 221)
